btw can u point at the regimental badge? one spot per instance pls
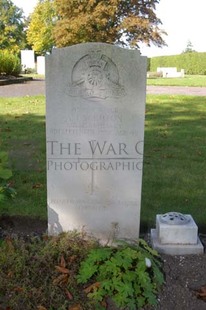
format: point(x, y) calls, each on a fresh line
point(95, 76)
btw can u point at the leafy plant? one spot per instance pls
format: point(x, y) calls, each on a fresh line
point(5, 189)
point(9, 64)
point(129, 275)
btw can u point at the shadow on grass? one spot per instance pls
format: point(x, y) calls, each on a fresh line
point(174, 176)
point(23, 137)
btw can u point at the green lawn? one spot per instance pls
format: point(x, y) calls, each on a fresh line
point(188, 80)
point(174, 163)
point(175, 156)
point(22, 129)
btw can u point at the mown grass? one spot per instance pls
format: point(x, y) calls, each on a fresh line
point(188, 80)
point(22, 135)
point(174, 177)
point(175, 153)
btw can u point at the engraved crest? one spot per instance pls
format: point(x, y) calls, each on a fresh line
point(95, 76)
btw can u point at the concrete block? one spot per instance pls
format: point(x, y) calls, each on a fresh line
point(176, 249)
point(176, 234)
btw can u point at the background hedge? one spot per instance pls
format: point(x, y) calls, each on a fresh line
point(10, 64)
point(193, 62)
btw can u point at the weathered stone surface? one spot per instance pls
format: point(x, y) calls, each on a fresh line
point(95, 132)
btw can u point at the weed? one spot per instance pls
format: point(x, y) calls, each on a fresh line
point(129, 275)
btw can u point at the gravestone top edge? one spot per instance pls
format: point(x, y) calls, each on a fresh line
point(97, 44)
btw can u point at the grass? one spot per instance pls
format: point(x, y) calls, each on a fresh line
point(175, 152)
point(22, 128)
point(174, 176)
point(188, 80)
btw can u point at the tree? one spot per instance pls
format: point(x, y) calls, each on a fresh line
point(123, 22)
point(189, 48)
point(42, 21)
point(12, 24)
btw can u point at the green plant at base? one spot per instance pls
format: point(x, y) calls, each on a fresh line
point(129, 275)
point(5, 174)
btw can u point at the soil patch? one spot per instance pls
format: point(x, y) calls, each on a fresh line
point(20, 226)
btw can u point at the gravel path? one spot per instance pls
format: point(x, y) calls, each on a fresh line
point(37, 87)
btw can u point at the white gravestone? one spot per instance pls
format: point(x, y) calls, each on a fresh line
point(95, 132)
point(41, 65)
point(27, 59)
point(171, 72)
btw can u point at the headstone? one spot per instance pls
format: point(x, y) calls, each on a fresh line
point(95, 133)
point(27, 59)
point(41, 65)
point(171, 72)
point(176, 234)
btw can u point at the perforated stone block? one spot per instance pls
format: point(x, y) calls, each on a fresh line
point(176, 249)
point(182, 233)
